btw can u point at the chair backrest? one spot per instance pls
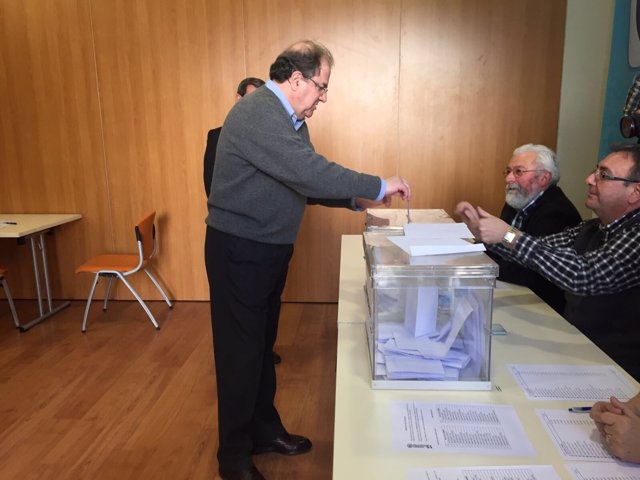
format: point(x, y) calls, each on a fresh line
point(146, 234)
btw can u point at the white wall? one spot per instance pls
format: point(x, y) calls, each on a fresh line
point(584, 82)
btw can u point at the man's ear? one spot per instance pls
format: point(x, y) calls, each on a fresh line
point(295, 79)
point(634, 196)
point(545, 178)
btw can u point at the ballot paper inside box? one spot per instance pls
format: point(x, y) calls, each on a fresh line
point(429, 324)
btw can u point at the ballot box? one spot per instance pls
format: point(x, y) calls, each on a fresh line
point(394, 219)
point(429, 322)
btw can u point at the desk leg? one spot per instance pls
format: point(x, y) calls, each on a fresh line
point(43, 315)
point(36, 272)
point(45, 269)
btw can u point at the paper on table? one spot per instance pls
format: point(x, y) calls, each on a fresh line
point(437, 230)
point(480, 428)
point(575, 435)
point(523, 472)
point(603, 471)
point(416, 246)
point(571, 382)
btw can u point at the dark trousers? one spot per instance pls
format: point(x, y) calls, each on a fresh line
point(246, 279)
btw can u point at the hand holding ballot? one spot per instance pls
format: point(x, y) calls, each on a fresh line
point(397, 186)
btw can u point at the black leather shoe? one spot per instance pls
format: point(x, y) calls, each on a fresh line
point(276, 358)
point(286, 444)
point(248, 473)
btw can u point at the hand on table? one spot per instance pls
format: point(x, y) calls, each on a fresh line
point(619, 425)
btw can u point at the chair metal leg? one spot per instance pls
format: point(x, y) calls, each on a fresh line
point(12, 307)
point(106, 293)
point(86, 309)
point(140, 301)
point(155, 282)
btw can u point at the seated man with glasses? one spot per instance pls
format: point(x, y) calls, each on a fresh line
point(535, 204)
point(597, 262)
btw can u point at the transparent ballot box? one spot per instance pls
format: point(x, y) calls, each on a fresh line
point(386, 219)
point(429, 323)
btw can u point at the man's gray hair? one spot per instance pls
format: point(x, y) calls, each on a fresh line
point(545, 157)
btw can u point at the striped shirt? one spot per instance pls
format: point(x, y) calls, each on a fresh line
point(612, 267)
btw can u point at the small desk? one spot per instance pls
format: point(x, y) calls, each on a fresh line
point(362, 434)
point(34, 227)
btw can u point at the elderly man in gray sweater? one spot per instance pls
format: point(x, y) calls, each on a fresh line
point(266, 172)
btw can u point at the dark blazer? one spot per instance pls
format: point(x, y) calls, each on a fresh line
point(552, 212)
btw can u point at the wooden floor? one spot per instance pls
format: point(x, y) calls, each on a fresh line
point(125, 401)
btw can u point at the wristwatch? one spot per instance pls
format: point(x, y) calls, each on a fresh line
point(509, 238)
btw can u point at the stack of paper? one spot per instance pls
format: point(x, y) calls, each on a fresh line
point(436, 239)
point(422, 349)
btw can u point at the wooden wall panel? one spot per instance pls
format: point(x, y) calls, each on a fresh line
point(51, 152)
point(356, 127)
point(477, 79)
point(167, 73)
point(106, 105)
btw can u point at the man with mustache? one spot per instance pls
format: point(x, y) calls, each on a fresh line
point(534, 203)
point(596, 262)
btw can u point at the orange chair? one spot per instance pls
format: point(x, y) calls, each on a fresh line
point(121, 266)
point(7, 292)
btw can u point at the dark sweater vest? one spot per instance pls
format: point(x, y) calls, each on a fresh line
point(611, 321)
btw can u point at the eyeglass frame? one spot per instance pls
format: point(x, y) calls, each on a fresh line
point(323, 90)
point(519, 171)
point(598, 174)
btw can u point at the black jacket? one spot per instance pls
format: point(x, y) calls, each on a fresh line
point(552, 212)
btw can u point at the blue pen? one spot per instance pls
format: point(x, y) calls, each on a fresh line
point(580, 409)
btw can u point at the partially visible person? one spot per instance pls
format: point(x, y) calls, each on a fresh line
point(246, 86)
point(619, 424)
point(266, 172)
point(535, 204)
point(597, 262)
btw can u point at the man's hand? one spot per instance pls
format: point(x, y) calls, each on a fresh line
point(621, 429)
point(397, 186)
point(483, 225)
point(599, 409)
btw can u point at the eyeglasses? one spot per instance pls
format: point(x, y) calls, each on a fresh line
point(600, 174)
point(519, 171)
point(323, 90)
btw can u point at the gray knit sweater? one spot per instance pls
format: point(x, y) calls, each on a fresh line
point(265, 170)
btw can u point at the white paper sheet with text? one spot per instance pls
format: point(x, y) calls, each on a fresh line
point(469, 428)
point(525, 472)
point(575, 435)
point(604, 471)
point(572, 382)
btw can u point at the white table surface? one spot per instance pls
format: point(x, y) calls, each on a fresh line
point(35, 226)
point(30, 223)
point(362, 437)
